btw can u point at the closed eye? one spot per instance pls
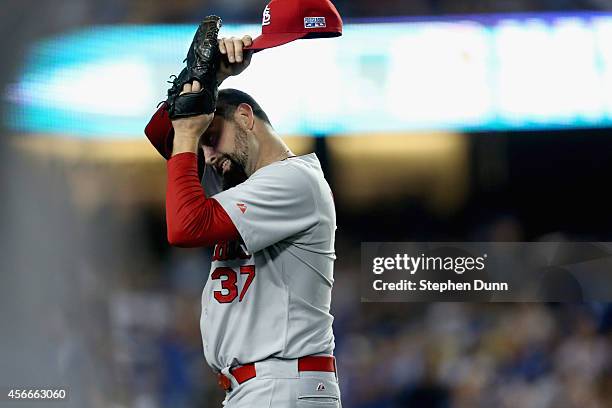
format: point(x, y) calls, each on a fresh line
point(209, 139)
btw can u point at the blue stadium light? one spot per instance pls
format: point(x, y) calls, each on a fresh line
point(465, 73)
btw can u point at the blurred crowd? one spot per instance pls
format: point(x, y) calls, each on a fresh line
point(475, 355)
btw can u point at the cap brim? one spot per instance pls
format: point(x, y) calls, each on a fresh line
point(273, 40)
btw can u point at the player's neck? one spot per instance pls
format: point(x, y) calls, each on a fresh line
point(271, 149)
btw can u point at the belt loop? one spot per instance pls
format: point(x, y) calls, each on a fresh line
point(336, 368)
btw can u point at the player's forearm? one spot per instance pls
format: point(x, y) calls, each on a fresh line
point(184, 143)
point(192, 219)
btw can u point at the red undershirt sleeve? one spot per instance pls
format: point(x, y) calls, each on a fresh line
point(192, 219)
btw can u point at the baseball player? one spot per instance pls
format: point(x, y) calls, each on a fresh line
point(266, 323)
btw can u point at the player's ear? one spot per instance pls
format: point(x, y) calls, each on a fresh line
point(244, 115)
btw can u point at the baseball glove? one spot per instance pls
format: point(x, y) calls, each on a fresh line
point(202, 65)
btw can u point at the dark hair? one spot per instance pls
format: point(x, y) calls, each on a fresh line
point(229, 99)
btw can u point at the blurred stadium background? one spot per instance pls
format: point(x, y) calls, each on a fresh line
point(495, 125)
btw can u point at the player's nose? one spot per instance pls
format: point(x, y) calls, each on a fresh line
point(210, 155)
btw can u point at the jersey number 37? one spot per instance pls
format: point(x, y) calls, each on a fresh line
point(229, 284)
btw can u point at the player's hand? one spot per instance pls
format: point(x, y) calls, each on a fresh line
point(234, 58)
point(187, 131)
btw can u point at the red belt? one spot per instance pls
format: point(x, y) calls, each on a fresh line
point(308, 363)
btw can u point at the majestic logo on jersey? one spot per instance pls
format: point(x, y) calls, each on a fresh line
point(320, 387)
point(314, 22)
point(242, 207)
point(266, 16)
point(227, 251)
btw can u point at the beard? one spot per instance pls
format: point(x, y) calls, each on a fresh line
point(236, 173)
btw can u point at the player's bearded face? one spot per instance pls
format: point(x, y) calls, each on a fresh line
point(233, 164)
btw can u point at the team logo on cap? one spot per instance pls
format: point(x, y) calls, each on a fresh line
point(266, 16)
point(314, 22)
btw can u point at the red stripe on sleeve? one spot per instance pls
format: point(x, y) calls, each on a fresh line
point(192, 219)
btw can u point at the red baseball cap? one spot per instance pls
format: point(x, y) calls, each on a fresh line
point(288, 20)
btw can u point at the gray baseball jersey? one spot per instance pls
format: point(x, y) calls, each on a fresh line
point(270, 294)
